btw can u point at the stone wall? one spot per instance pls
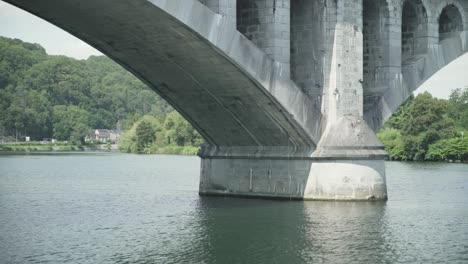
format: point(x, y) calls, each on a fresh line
point(414, 30)
point(267, 24)
point(450, 22)
point(403, 43)
point(308, 27)
point(345, 90)
point(376, 46)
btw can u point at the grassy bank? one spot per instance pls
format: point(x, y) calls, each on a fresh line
point(177, 150)
point(62, 146)
point(172, 150)
point(38, 146)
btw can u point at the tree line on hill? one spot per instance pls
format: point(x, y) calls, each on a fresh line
point(44, 96)
point(427, 128)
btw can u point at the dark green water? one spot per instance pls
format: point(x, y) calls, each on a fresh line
point(116, 208)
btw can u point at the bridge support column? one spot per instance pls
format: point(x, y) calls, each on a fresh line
point(348, 163)
point(351, 157)
point(267, 24)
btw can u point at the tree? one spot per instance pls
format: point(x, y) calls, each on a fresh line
point(70, 123)
point(399, 118)
point(179, 132)
point(425, 125)
point(393, 142)
point(32, 83)
point(458, 107)
point(424, 128)
point(46, 96)
point(449, 149)
point(144, 135)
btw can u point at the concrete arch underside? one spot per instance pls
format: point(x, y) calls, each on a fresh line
point(235, 96)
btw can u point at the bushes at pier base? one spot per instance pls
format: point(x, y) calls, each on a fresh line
point(427, 128)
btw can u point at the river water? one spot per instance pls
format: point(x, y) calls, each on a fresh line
point(119, 208)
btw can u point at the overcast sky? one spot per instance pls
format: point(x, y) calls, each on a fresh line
point(15, 23)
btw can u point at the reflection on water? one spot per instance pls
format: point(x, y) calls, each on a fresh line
point(292, 232)
point(118, 208)
point(343, 232)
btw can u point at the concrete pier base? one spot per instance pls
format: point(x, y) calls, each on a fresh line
point(347, 180)
point(298, 179)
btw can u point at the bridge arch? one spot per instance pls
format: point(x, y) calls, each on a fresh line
point(248, 20)
point(450, 22)
point(239, 99)
point(376, 30)
point(414, 30)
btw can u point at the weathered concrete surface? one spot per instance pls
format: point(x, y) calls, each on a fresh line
point(267, 24)
point(298, 179)
point(347, 180)
point(287, 93)
point(350, 137)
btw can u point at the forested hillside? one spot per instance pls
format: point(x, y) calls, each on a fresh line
point(427, 128)
point(43, 96)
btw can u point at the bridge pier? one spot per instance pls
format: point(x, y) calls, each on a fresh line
point(352, 159)
point(312, 178)
point(347, 137)
point(348, 163)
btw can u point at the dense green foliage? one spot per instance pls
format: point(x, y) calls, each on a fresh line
point(458, 108)
point(169, 134)
point(449, 149)
point(427, 128)
point(43, 96)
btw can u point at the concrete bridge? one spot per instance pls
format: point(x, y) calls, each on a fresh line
point(287, 93)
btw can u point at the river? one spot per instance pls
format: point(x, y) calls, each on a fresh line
point(122, 208)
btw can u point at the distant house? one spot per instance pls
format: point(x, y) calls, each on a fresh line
point(102, 135)
point(105, 135)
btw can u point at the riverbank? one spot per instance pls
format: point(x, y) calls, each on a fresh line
point(56, 146)
point(169, 150)
point(62, 146)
